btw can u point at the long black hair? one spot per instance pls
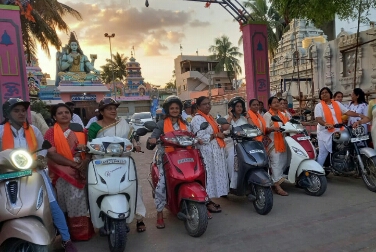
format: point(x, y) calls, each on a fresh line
point(361, 95)
point(337, 93)
point(270, 100)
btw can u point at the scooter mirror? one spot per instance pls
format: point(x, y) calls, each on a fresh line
point(76, 127)
point(222, 121)
point(276, 119)
point(46, 145)
point(150, 125)
point(306, 112)
point(204, 125)
point(141, 131)
point(294, 121)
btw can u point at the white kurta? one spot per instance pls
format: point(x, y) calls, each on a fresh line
point(214, 159)
point(277, 160)
point(360, 109)
point(372, 114)
point(230, 152)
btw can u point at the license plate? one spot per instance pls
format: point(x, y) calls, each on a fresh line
point(12, 175)
point(110, 161)
point(304, 138)
point(358, 139)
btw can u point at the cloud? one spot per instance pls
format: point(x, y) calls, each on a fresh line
point(149, 28)
point(198, 23)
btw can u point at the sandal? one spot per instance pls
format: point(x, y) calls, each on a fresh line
point(140, 226)
point(212, 208)
point(281, 192)
point(214, 204)
point(160, 224)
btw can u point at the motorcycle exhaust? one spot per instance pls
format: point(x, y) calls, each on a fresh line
point(182, 216)
point(251, 197)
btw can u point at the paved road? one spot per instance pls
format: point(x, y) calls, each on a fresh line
point(343, 219)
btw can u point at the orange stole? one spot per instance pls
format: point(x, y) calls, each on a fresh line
point(279, 143)
point(256, 119)
point(328, 113)
point(214, 126)
point(8, 139)
point(167, 127)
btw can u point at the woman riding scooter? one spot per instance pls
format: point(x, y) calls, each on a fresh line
point(16, 132)
point(173, 108)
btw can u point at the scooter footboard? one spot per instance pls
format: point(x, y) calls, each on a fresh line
point(311, 166)
point(192, 191)
point(260, 177)
point(27, 229)
point(116, 207)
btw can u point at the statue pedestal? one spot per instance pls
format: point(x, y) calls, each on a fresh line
point(13, 79)
point(255, 43)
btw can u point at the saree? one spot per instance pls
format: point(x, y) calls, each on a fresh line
point(70, 186)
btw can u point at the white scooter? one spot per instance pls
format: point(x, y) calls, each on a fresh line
point(112, 187)
point(302, 169)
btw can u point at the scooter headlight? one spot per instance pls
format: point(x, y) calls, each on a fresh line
point(299, 152)
point(114, 148)
point(21, 159)
point(97, 147)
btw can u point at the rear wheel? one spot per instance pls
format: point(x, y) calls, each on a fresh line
point(117, 239)
point(369, 177)
point(197, 220)
point(17, 245)
point(318, 187)
point(264, 199)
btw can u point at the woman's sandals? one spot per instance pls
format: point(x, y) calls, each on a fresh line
point(213, 208)
point(140, 226)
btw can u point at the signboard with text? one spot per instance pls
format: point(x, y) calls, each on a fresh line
point(83, 98)
point(13, 79)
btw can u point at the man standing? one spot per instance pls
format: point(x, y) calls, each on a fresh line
point(187, 110)
point(75, 117)
point(93, 119)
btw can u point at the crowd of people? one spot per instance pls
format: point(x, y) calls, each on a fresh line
point(67, 167)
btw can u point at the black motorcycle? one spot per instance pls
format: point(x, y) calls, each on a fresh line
point(351, 155)
point(252, 164)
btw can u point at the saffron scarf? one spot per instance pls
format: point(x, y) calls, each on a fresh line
point(8, 139)
point(214, 125)
point(168, 127)
point(328, 114)
point(259, 121)
point(279, 142)
point(61, 144)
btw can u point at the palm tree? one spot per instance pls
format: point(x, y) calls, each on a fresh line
point(260, 11)
point(48, 16)
point(226, 55)
point(118, 65)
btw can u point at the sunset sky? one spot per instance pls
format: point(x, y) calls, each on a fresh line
point(155, 32)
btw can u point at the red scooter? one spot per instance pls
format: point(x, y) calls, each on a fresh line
point(185, 178)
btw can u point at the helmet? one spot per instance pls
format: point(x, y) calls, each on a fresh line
point(187, 104)
point(172, 99)
point(234, 101)
point(342, 136)
point(11, 103)
point(106, 102)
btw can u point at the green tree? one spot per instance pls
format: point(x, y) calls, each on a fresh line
point(170, 85)
point(226, 54)
point(321, 11)
point(48, 16)
point(262, 12)
point(118, 65)
point(40, 107)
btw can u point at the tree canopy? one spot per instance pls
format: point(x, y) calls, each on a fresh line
point(118, 65)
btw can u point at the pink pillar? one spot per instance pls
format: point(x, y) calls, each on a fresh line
point(255, 43)
point(13, 79)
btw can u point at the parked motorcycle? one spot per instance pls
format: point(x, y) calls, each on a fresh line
point(185, 178)
point(351, 156)
point(302, 169)
point(25, 216)
point(112, 186)
point(253, 165)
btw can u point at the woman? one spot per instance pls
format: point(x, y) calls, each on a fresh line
point(109, 124)
point(327, 113)
point(256, 118)
point(283, 108)
point(65, 169)
point(277, 147)
point(172, 121)
point(372, 115)
point(338, 96)
point(358, 105)
point(235, 117)
point(213, 153)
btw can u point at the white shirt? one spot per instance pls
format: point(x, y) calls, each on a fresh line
point(360, 109)
point(93, 119)
point(77, 119)
point(319, 112)
point(20, 140)
point(184, 115)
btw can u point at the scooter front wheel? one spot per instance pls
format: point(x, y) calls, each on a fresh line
point(16, 245)
point(197, 220)
point(318, 187)
point(117, 239)
point(264, 199)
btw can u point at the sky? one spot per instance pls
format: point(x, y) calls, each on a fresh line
point(155, 32)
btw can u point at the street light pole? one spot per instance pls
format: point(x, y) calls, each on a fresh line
point(113, 75)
